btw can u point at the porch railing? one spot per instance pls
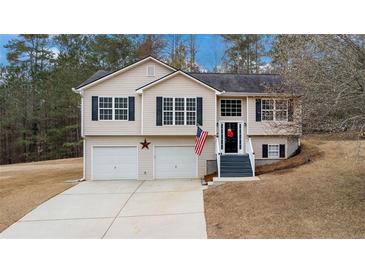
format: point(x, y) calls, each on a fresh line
point(251, 154)
point(218, 152)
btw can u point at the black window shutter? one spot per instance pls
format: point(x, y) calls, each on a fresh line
point(290, 110)
point(199, 108)
point(264, 151)
point(131, 108)
point(94, 108)
point(258, 110)
point(158, 111)
point(282, 150)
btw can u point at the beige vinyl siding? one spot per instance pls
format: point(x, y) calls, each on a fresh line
point(178, 86)
point(268, 127)
point(258, 141)
point(121, 85)
point(293, 144)
point(145, 156)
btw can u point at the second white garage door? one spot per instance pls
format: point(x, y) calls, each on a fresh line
point(115, 162)
point(175, 162)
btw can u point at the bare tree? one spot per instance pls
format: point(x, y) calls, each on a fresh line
point(192, 51)
point(329, 72)
point(152, 44)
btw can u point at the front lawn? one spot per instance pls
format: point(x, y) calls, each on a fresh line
point(321, 199)
point(25, 186)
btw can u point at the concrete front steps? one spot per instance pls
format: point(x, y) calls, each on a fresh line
point(233, 166)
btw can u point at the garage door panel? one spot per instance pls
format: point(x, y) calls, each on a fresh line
point(113, 163)
point(175, 162)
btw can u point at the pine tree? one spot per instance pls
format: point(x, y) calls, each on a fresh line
point(243, 53)
point(111, 52)
point(30, 59)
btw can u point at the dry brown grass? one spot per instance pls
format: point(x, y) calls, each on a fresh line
point(322, 199)
point(25, 186)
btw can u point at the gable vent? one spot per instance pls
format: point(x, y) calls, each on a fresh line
point(151, 71)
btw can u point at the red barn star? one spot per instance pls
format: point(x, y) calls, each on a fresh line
point(145, 144)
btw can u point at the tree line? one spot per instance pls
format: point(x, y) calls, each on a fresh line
point(40, 116)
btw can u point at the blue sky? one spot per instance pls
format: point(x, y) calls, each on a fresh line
point(4, 38)
point(210, 49)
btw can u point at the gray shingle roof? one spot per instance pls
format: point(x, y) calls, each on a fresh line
point(231, 82)
point(96, 76)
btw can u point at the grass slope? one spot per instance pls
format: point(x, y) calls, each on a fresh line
point(322, 199)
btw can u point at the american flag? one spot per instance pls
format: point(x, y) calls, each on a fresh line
point(201, 136)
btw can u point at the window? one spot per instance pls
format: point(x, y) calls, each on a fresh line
point(281, 110)
point(222, 138)
point(121, 108)
point(230, 107)
point(151, 71)
point(168, 111)
point(190, 111)
point(111, 108)
point(239, 136)
point(106, 108)
point(267, 110)
point(273, 151)
point(179, 111)
point(274, 110)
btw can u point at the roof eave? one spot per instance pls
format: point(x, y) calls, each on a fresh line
point(256, 94)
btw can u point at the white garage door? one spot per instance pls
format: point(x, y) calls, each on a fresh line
point(113, 163)
point(175, 162)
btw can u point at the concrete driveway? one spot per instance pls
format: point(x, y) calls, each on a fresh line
point(118, 209)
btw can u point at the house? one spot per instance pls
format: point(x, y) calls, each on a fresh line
point(155, 104)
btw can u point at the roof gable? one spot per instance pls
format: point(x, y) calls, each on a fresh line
point(173, 74)
point(102, 75)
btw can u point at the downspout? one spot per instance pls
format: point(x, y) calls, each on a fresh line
point(82, 135)
point(141, 118)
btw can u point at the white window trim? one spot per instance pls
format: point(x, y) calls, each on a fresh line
point(274, 110)
point(154, 71)
point(163, 111)
point(113, 108)
point(268, 154)
point(173, 111)
point(186, 111)
point(100, 108)
point(220, 107)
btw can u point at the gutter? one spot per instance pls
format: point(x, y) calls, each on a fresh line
point(82, 135)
